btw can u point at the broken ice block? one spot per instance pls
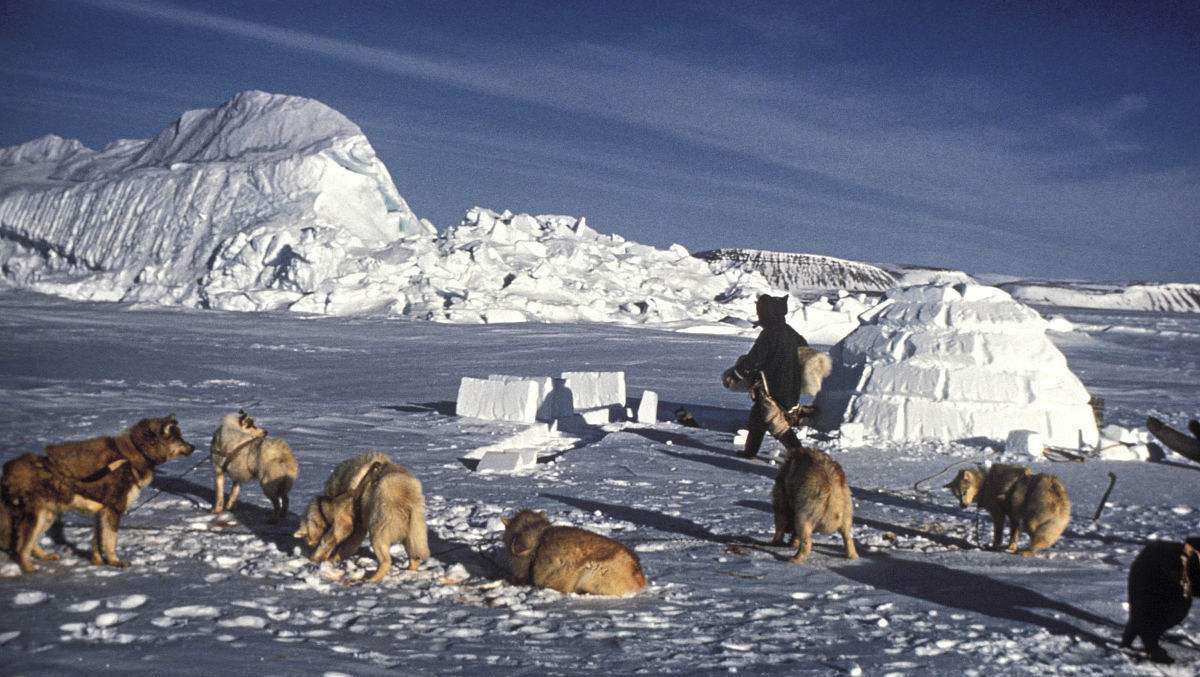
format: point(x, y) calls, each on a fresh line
point(852, 434)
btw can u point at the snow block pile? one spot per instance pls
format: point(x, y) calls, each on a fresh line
point(954, 362)
point(597, 397)
point(1124, 444)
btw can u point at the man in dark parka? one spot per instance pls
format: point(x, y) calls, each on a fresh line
point(774, 356)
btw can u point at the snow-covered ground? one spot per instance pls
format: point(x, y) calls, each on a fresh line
point(235, 596)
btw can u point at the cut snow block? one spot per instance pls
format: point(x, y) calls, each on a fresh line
point(648, 408)
point(546, 406)
point(739, 438)
point(594, 389)
point(1117, 433)
point(507, 461)
point(1115, 451)
point(1026, 443)
point(498, 400)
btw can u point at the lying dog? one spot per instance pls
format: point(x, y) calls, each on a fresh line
point(1037, 504)
point(243, 451)
point(811, 494)
point(102, 475)
point(367, 495)
point(1162, 581)
point(568, 559)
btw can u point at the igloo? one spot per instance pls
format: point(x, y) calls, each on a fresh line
point(954, 362)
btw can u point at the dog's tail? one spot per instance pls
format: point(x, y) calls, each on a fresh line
point(416, 538)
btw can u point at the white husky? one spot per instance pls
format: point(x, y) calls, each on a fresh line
point(244, 451)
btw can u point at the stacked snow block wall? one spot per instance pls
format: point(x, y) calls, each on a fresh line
point(954, 362)
point(596, 396)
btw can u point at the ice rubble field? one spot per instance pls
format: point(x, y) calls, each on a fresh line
point(234, 595)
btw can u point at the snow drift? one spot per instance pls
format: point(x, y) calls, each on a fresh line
point(954, 362)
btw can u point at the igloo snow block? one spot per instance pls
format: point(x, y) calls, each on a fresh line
point(595, 389)
point(1025, 442)
point(647, 411)
point(507, 461)
point(499, 400)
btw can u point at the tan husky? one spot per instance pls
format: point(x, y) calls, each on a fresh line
point(568, 559)
point(1037, 504)
point(811, 494)
point(243, 451)
point(377, 498)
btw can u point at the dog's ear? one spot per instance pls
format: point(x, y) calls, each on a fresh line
point(505, 521)
point(171, 429)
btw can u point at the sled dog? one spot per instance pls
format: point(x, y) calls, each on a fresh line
point(1037, 504)
point(375, 497)
point(29, 488)
point(102, 476)
point(811, 494)
point(242, 450)
point(569, 559)
point(1162, 581)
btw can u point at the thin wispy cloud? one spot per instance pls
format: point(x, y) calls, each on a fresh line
point(838, 138)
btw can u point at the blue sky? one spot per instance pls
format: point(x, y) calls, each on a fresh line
point(1057, 140)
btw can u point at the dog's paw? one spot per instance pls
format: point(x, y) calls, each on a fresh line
point(118, 563)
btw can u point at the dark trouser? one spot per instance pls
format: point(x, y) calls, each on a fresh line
point(758, 426)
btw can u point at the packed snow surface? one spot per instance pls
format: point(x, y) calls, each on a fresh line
point(953, 362)
point(233, 594)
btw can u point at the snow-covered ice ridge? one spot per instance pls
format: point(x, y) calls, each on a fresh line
point(796, 272)
point(273, 202)
point(236, 206)
point(1174, 297)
